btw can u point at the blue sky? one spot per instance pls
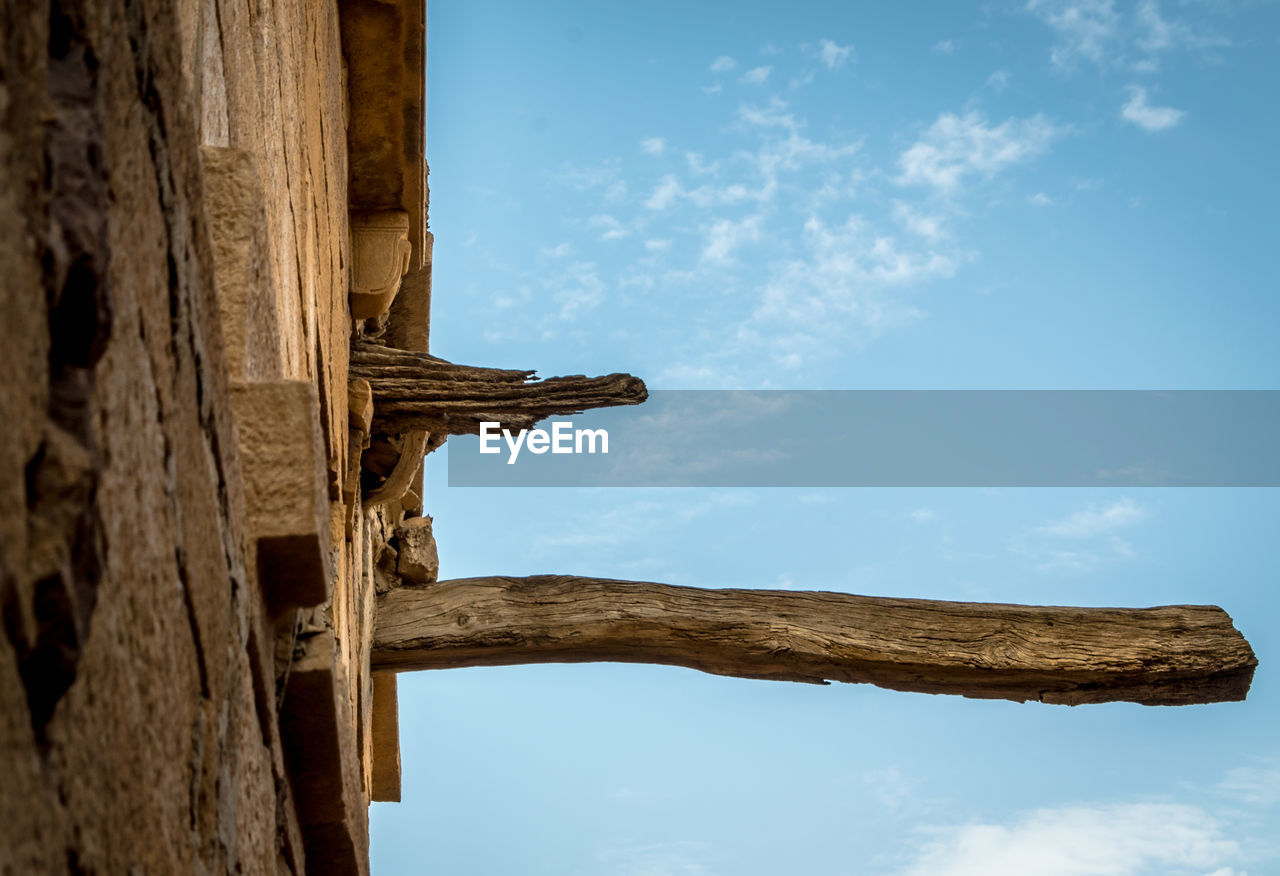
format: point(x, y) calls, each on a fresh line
point(1043, 195)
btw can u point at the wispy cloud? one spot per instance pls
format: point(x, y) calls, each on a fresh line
point(722, 64)
point(1146, 116)
point(699, 166)
point(757, 75)
point(1116, 840)
point(581, 290)
point(917, 222)
point(843, 286)
point(1095, 31)
point(1085, 29)
point(957, 147)
point(653, 146)
point(727, 235)
point(1156, 34)
point(558, 251)
point(664, 194)
point(1256, 785)
point(654, 859)
point(609, 227)
point(944, 47)
point(834, 56)
point(1096, 521)
point(605, 177)
point(1082, 542)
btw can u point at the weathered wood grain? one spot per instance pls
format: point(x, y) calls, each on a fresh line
point(418, 391)
point(1171, 655)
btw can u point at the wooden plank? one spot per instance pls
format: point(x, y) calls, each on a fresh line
point(386, 739)
point(1171, 655)
point(413, 391)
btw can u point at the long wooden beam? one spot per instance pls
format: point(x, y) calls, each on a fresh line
point(1171, 655)
point(419, 391)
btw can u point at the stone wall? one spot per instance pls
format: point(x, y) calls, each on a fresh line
point(187, 565)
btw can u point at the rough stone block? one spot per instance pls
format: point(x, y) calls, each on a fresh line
point(242, 264)
point(278, 424)
point(418, 563)
point(320, 751)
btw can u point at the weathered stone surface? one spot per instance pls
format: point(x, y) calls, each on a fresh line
point(380, 254)
point(286, 503)
point(242, 264)
point(321, 752)
point(132, 738)
point(383, 42)
point(418, 561)
point(138, 689)
point(409, 325)
point(359, 405)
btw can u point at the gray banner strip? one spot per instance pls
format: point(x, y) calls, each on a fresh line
point(926, 438)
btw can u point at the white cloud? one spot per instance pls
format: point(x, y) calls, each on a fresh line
point(1109, 840)
point(801, 80)
point(698, 166)
point(944, 47)
point(712, 89)
point(1257, 785)
point(756, 75)
point(833, 55)
point(890, 786)
point(1081, 542)
point(609, 227)
point(559, 251)
point(956, 147)
point(1096, 521)
point(592, 176)
point(1147, 117)
point(725, 236)
point(657, 245)
point(653, 146)
point(842, 288)
point(722, 64)
point(1085, 29)
point(922, 515)
point(1159, 34)
point(771, 116)
point(1040, 199)
point(998, 81)
point(929, 227)
point(656, 859)
point(1095, 31)
point(664, 194)
point(578, 289)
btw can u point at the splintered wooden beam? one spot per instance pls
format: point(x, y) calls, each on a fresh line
point(413, 391)
point(1171, 655)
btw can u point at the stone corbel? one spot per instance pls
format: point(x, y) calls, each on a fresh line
point(380, 253)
